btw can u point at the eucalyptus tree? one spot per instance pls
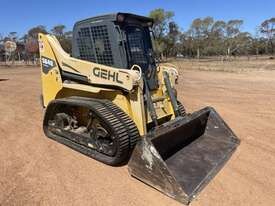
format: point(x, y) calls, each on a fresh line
point(267, 28)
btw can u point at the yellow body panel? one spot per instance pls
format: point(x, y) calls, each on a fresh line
point(121, 86)
point(51, 82)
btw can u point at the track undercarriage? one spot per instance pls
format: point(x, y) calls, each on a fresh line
point(94, 127)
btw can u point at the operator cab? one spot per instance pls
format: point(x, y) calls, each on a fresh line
point(119, 40)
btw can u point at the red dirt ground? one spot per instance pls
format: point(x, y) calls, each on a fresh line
point(35, 170)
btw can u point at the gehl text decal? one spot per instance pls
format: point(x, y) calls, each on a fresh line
point(105, 74)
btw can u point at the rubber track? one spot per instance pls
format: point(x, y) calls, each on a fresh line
point(121, 124)
point(122, 116)
point(181, 108)
point(127, 121)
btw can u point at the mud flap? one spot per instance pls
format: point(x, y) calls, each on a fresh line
point(181, 157)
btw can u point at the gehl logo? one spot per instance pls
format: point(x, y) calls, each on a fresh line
point(105, 74)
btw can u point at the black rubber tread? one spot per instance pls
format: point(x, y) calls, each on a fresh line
point(127, 121)
point(120, 124)
point(181, 108)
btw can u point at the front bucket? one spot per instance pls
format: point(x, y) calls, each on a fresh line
point(182, 156)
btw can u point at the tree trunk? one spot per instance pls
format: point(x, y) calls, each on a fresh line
point(13, 58)
point(198, 53)
point(161, 56)
point(272, 47)
point(228, 51)
point(228, 55)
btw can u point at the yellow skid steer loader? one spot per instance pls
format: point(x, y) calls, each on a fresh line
point(112, 101)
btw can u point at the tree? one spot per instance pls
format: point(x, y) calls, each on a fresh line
point(216, 38)
point(31, 42)
point(195, 32)
point(13, 36)
point(258, 45)
point(64, 38)
point(243, 42)
point(33, 32)
point(200, 30)
point(58, 30)
point(267, 28)
point(232, 32)
point(172, 38)
point(233, 27)
point(66, 41)
point(162, 19)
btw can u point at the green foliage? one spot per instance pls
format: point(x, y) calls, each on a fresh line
point(267, 28)
point(207, 37)
point(33, 32)
point(64, 38)
point(162, 25)
point(58, 30)
point(161, 21)
point(66, 41)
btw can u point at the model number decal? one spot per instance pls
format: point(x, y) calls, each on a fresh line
point(47, 64)
point(105, 74)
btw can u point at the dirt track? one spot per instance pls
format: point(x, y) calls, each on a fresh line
point(37, 171)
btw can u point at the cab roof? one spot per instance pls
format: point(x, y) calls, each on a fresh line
point(113, 17)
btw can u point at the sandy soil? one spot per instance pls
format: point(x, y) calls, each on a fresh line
point(37, 171)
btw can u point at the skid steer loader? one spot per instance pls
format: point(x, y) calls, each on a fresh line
point(112, 101)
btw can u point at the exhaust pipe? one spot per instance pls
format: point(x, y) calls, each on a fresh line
point(182, 156)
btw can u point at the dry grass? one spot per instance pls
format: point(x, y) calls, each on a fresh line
point(236, 65)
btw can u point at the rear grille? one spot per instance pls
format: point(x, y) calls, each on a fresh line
point(85, 45)
point(94, 45)
point(102, 45)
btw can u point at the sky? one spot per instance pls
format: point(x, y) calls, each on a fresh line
point(21, 15)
